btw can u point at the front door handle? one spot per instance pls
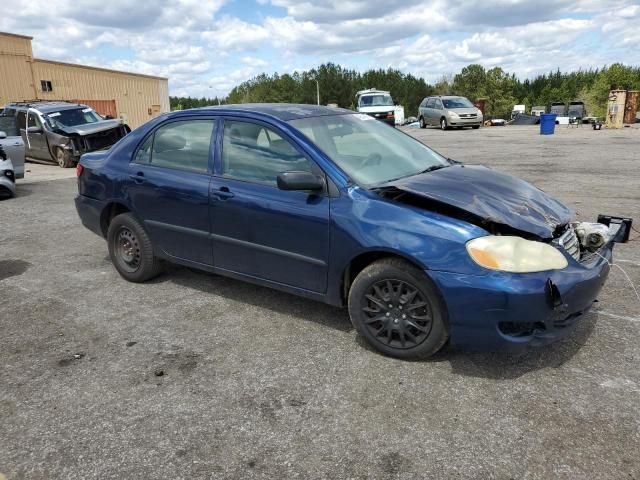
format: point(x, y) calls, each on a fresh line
point(223, 193)
point(138, 177)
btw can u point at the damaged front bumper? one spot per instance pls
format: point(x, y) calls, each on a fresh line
point(514, 310)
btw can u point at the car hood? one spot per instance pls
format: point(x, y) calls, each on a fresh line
point(463, 111)
point(91, 128)
point(492, 196)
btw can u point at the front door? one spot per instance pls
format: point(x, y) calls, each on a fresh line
point(259, 230)
point(168, 186)
point(35, 141)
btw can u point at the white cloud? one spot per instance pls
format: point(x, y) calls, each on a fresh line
point(208, 47)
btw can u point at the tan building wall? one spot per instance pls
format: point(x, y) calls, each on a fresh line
point(135, 98)
point(16, 80)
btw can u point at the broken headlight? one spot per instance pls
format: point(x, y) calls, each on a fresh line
point(515, 254)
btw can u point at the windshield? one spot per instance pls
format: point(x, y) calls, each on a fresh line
point(376, 101)
point(73, 117)
point(370, 152)
point(458, 102)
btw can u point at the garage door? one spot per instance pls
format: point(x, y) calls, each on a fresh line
point(103, 107)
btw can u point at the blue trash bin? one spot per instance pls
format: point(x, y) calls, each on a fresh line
point(547, 123)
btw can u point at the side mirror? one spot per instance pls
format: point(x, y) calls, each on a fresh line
point(299, 181)
point(3, 135)
point(34, 130)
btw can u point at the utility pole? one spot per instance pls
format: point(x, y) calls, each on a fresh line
point(317, 90)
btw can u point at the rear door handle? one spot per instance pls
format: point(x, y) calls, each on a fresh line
point(138, 177)
point(223, 193)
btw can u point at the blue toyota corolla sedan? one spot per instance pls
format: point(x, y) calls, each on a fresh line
point(335, 206)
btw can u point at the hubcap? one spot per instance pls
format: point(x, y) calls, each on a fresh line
point(396, 314)
point(128, 249)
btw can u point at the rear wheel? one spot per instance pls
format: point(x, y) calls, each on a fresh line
point(131, 250)
point(63, 157)
point(395, 307)
point(422, 123)
point(443, 124)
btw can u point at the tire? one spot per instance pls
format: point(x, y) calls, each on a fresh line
point(131, 250)
point(63, 158)
point(422, 123)
point(475, 127)
point(419, 328)
point(443, 124)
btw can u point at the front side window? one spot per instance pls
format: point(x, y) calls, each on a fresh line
point(33, 120)
point(368, 151)
point(182, 145)
point(254, 153)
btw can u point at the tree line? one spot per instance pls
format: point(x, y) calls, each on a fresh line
point(500, 90)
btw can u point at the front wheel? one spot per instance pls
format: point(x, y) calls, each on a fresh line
point(475, 127)
point(63, 158)
point(396, 308)
point(131, 250)
point(443, 124)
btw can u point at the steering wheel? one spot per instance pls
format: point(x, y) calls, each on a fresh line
point(372, 160)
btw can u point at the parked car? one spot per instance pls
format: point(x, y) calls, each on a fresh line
point(378, 104)
point(11, 142)
point(60, 132)
point(7, 176)
point(449, 111)
point(559, 108)
point(334, 206)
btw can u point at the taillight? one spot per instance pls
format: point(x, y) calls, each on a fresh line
point(79, 170)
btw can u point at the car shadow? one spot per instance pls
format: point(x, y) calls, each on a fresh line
point(499, 365)
point(505, 365)
point(263, 297)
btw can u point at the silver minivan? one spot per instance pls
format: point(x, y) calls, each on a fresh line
point(448, 111)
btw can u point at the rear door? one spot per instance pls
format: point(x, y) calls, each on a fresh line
point(169, 187)
point(429, 111)
point(259, 230)
point(437, 111)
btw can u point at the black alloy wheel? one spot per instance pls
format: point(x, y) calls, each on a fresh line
point(397, 308)
point(396, 314)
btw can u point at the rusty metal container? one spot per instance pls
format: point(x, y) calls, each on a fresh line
point(631, 106)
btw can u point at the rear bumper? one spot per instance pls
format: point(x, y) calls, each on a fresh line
point(510, 311)
point(90, 211)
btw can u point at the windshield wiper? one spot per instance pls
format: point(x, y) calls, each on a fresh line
point(426, 170)
point(432, 168)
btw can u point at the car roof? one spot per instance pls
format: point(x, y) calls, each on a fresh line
point(281, 111)
point(46, 107)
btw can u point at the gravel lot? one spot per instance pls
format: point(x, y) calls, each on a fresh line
point(198, 376)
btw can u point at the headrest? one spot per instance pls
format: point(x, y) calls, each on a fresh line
point(168, 141)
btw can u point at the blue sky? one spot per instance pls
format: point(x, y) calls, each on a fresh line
point(206, 47)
